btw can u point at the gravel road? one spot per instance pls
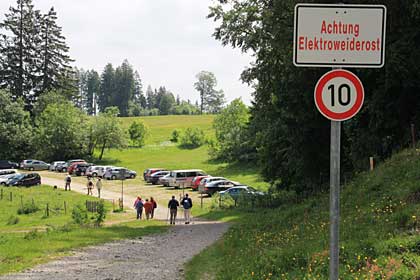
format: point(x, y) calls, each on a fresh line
point(158, 257)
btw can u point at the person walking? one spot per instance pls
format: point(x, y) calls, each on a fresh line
point(154, 206)
point(173, 208)
point(148, 207)
point(138, 205)
point(89, 187)
point(187, 205)
point(68, 182)
point(99, 187)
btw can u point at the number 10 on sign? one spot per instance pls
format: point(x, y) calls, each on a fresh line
point(339, 95)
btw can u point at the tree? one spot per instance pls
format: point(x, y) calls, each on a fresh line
point(138, 133)
point(61, 132)
point(123, 87)
point(92, 91)
point(192, 138)
point(150, 98)
point(19, 53)
point(107, 131)
point(107, 88)
point(138, 91)
point(231, 131)
point(288, 132)
point(166, 103)
point(211, 99)
point(53, 50)
point(16, 133)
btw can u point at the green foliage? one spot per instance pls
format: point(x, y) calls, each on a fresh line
point(289, 133)
point(61, 132)
point(100, 215)
point(211, 99)
point(192, 138)
point(28, 208)
point(16, 133)
point(176, 134)
point(231, 133)
point(31, 235)
point(12, 220)
point(138, 133)
point(79, 215)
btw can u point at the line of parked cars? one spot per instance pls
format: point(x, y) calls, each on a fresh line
point(197, 180)
point(11, 177)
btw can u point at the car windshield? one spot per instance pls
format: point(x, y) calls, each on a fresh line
point(18, 176)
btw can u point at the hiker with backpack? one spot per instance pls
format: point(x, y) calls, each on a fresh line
point(138, 205)
point(154, 207)
point(173, 208)
point(187, 205)
point(68, 182)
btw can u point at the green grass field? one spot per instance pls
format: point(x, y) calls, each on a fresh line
point(29, 239)
point(159, 153)
point(379, 233)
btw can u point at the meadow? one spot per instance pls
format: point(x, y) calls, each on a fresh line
point(29, 239)
point(379, 233)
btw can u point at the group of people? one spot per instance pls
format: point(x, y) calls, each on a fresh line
point(148, 205)
point(90, 185)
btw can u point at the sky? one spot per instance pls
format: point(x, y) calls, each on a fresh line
point(167, 41)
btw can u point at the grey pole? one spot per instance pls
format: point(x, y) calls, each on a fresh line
point(334, 198)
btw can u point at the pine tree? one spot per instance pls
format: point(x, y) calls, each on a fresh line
point(19, 50)
point(92, 91)
point(55, 68)
point(124, 87)
point(138, 91)
point(107, 88)
point(150, 98)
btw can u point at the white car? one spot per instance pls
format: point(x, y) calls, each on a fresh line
point(54, 165)
point(97, 170)
point(207, 180)
point(5, 178)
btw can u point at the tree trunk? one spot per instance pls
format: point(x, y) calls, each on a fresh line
point(102, 150)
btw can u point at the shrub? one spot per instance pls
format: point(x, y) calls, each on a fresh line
point(31, 235)
point(192, 138)
point(28, 208)
point(101, 214)
point(79, 215)
point(138, 133)
point(176, 134)
point(13, 220)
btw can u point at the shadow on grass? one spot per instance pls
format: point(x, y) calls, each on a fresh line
point(108, 161)
point(235, 169)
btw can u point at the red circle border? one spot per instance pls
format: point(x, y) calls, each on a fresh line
point(360, 95)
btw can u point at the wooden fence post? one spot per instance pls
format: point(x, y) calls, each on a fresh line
point(1, 195)
point(47, 211)
point(11, 196)
point(372, 163)
point(65, 208)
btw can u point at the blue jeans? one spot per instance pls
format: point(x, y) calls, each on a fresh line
point(139, 213)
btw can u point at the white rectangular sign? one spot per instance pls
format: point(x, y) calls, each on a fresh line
point(339, 35)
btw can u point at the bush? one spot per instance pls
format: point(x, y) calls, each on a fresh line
point(28, 208)
point(100, 215)
point(192, 138)
point(138, 132)
point(13, 220)
point(79, 215)
point(31, 235)
point(176, 134)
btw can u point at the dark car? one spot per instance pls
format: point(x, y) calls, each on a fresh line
point(26, 180)
point(148, 172)
point(80, 168)
point(241, 191)
point(6, 164)
point(154, 178)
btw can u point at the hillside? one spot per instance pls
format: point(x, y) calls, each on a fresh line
point(379, 234)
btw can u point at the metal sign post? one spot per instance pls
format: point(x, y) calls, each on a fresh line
point(334, 198)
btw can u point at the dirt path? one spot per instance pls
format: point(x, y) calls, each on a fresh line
point(158, 257)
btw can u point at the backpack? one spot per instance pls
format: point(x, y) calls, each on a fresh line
point(187, 204)
point(139, 204)
point(68, 179)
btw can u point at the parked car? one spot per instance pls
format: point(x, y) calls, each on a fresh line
point(210, 179)
point(54, 165)
point(217, 186)
point(30, 179)
point(239, 191)
point(36, 165)
point(154, 178)
point(72, 167)
point(97, 171)
point(164, 181)
point(5, 178)
point(196, 181)
point(184, 177)
point(24, 162)
point(81, 168)
point(116, 173)
point(148, 172)
point(7, 171)
point(64, 167)
point(7, 164)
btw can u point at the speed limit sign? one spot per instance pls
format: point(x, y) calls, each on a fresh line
point(339, 95)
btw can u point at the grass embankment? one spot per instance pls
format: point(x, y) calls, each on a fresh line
point(29, 239)
point(379, 233)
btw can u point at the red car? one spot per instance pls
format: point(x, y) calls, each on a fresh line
point(73, 166)
point(196, 182)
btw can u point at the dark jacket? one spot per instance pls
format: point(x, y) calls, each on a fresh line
point(186, 203)
point(173, 204)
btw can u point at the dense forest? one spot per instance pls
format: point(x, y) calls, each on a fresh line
point(289, 137)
